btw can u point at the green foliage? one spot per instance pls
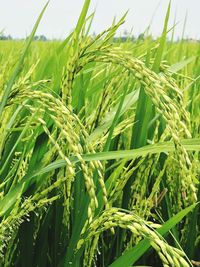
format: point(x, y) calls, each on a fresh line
point(99, 150)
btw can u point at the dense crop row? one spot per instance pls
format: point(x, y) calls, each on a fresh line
point(99, 150)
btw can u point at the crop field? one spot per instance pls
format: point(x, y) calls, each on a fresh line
point(100, 150)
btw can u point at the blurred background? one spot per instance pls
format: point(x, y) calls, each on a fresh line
point(17, 17)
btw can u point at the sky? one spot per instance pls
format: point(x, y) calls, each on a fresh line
point(17, 17)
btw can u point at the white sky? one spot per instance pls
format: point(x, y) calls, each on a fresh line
point(17, 17)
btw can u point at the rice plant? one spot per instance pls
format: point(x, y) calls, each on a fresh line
point(99, 150)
